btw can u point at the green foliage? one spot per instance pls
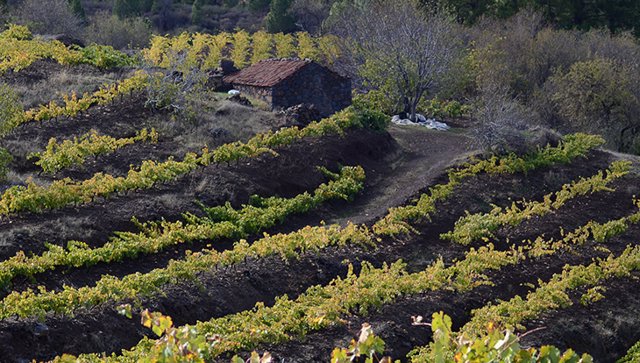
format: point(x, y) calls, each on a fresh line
point(196, 12)
point(5, 159)
point(495, 345)
point(583, 15)
point(259, 5)
point(279, 19)
point(369, 116)
point(597, 96)
point(375, 100)
point(127, 8)
point(632, 356)
point(18, 51)
point(241, 48)
point(73, 105)
point(262, 43)
point(145, 285)
point(17, 32)
point(324, 306)
point(190, 345)
point(443, 109)
point(221, 222)
point(76, 7)
point(105, 56)
point(514, 312)
point(480, 226)
point(368, 347)
point(551, 295)
point(58, 156)
point(572, 146)
point(204, 51)
point(60, 193)
point(11, 111)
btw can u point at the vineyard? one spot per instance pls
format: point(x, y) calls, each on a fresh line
point(126, 236)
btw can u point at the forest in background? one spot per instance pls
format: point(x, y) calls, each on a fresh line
point(511, 66)
point(133, 20)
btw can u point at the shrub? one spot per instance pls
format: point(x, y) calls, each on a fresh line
point(5, 159)
point(177, 88)
point(11, 111)
point(18, 32)
point(443, 109)
point(48, 17)
point(104, 56)
point(502, 122)
point(119, 33)
point(375, 100)
point(370, 118)
point(597, 96)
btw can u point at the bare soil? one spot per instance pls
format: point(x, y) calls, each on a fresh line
point(238, 288)
point(400, 165)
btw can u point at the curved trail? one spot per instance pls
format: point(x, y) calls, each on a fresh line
point(423, 155)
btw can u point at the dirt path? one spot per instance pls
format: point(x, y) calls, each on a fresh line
point(422, 156)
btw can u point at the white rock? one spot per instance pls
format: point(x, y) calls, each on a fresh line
point(421, 121)
point(234, 92)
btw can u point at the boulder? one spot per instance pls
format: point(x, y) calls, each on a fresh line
point(239, 99)
point(65, 39)
point(301, 115)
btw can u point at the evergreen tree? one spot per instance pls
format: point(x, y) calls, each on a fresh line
point(259, 5)
point(196, 12)
point(279, 18)
point(121, 8)
point(76, 6)
point(570, 14)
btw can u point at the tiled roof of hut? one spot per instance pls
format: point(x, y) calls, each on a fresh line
point(267, 73)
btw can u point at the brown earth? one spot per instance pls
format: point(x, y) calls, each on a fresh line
point(400, 164)
point(238, 288)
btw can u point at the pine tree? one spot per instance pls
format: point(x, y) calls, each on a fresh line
point(76, 6)
point(279, 19)
point(121, 8)
point(196, 12)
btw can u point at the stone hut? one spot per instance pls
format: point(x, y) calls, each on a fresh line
point(283, 83)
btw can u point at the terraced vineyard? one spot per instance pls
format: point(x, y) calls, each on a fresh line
point(288, 239)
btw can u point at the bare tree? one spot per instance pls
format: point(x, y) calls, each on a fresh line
point(311, 13)
point(48, 17)
point(399, 48)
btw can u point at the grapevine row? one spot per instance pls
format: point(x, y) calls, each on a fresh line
point(321, 307)
point(205, 51)
point(189, 345)
point(632, 356)
point(60, 193)
point(553, 294)
point(221, 222)
point(571, 147)
point(136, 286)
point(30, 303)
point(73, 105)
point(58, 156)
point(19, 50)
point(474, 227)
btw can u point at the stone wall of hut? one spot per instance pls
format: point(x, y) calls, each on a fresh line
point(316, 85)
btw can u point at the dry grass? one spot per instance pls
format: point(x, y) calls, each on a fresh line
point(218, 121)
point(61, 83)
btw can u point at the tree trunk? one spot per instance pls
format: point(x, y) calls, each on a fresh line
point(414, 109)
point(413, 116)
point(407, 106)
